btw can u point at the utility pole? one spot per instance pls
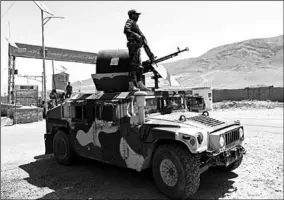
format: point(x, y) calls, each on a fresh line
point(9, 78)
point(13, 79)
point(10, 73)
point(53, 78)
point(44, 20)
point(42, 87)
point(43, 61)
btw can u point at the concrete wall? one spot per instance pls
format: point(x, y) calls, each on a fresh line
point(25, 115)
point(260, 93)
point(26, 95)
point(276, 94)
point(4, 99)
point(5, 107)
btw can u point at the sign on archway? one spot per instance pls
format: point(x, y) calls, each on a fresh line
point(51, 53)
point(33, 51)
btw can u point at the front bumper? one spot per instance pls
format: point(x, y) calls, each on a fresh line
point(225, 158)
point(229, 156)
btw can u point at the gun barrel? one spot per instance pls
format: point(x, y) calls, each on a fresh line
point(169, 56)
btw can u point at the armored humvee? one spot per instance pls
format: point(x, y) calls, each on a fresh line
point(141, 130)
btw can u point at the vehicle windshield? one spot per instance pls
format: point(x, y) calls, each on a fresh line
point(174, 103)
point(168, 104)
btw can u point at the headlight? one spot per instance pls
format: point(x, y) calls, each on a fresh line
point(241, 131)
point(199, 137)
point(222, 141)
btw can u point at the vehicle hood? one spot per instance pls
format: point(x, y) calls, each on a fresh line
point(193, 121)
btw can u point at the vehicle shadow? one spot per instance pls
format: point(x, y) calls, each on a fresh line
point(88, 179)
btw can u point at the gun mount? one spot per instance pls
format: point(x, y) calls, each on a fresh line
point(112, 69)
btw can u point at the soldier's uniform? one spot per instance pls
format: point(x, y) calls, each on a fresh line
point(53, 96)
point(135, 42)
point(68, 91)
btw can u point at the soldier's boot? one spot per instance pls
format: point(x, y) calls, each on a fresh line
point(142, 87)
point(132, 87)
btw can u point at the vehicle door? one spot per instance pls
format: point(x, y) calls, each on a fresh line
point(107, 134)
point(81, 137)
point(131, 141)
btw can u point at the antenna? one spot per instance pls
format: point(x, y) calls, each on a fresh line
point(64, 68)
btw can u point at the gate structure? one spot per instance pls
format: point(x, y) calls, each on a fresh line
point(26, 95)
point(36, 52)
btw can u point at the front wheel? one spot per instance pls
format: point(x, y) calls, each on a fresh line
point(176, 171)
point(62, 148)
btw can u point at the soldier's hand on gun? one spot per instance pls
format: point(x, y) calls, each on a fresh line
point(138, 37)
point(140, 40)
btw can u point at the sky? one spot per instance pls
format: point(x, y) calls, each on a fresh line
point(95, 25)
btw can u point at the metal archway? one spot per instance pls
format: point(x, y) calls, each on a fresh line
point(36, 52)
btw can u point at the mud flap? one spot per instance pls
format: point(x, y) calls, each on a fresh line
point(48, 140)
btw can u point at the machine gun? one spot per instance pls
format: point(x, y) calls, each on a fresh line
point(156, 61)
point(152, 59)
point(159, 71)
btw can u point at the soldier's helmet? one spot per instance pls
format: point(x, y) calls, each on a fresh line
point(130, 12)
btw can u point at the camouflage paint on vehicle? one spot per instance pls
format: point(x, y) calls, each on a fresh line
point(108, 130)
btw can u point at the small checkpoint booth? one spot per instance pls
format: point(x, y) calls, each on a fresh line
point(206, 94)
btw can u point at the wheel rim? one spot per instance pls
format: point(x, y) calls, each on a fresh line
point(61, 148)
point(168, 172)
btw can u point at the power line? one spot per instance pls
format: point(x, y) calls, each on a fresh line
point(11, 5)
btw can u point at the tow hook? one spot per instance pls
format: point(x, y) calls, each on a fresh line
point(227, 153)
point(243, 150)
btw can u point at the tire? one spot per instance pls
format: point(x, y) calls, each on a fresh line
point(62, 149)
point(185, 169)
point(232, 166)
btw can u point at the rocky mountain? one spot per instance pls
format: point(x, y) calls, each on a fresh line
point(242, 64)
point(240, 56)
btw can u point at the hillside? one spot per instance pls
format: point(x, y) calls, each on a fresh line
point(242, 64)
point(256, 62)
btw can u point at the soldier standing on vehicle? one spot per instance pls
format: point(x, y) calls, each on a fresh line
point(135, 40)
point(68, 90)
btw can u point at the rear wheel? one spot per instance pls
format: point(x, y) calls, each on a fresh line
point(62, 148)
point(176, 171)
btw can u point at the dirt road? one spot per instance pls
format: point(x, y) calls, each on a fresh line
point(25, 177)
